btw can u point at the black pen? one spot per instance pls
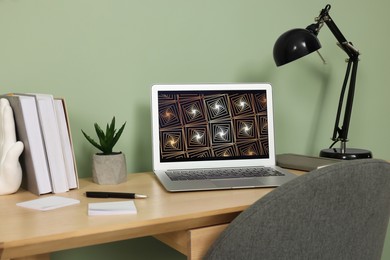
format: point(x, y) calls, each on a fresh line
point(119, 195)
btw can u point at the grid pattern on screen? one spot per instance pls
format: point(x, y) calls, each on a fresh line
point(212, 125)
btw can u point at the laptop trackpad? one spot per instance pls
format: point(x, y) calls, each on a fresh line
point(233, 183)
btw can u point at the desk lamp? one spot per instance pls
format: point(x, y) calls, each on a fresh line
point(297, 43)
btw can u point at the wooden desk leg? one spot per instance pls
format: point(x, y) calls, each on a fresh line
point(201, 239)
point(34, 257)
point(193, 243)
point(177, 240)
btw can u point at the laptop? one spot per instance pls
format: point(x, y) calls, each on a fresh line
point(214, 136)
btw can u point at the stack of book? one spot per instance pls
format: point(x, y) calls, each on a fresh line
point(48, 160)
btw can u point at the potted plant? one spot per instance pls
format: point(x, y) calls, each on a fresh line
point(108, 167)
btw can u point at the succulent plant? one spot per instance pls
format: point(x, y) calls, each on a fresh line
point(108, 139)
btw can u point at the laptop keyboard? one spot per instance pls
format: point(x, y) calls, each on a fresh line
point(201, 174)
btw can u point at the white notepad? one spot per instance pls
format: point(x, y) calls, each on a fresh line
point(48, 203)
point(112, 208)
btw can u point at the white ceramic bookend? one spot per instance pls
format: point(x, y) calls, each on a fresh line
point(10, 150)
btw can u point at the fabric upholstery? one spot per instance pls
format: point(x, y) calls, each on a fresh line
point(337, 212)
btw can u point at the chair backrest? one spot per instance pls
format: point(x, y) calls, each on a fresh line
point(337, 212)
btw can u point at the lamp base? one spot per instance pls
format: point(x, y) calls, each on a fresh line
point(349, 154)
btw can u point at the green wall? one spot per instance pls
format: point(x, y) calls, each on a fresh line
point(102, 57)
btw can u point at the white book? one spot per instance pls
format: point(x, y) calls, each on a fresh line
point(66, 144)
point(36, 175)
point(52, 139)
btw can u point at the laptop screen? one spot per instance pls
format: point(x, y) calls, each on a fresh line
point(199, 125)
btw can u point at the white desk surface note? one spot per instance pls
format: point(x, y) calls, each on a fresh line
point(112, 208)
point(48, 203)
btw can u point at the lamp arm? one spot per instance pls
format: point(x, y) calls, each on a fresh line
point(343, 131)
point(348, 106)
point(353, 60)
point(324, 17)
point(337, 129)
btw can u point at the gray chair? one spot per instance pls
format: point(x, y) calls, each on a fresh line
point(337, 212)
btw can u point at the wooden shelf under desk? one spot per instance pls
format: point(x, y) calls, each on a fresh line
point(30, 233)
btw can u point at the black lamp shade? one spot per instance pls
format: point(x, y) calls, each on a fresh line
point(294, 44)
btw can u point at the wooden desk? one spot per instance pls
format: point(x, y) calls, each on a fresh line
point(178, 219)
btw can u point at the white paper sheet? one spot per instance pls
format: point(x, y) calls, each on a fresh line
point(112, 208)
point(48, 203)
